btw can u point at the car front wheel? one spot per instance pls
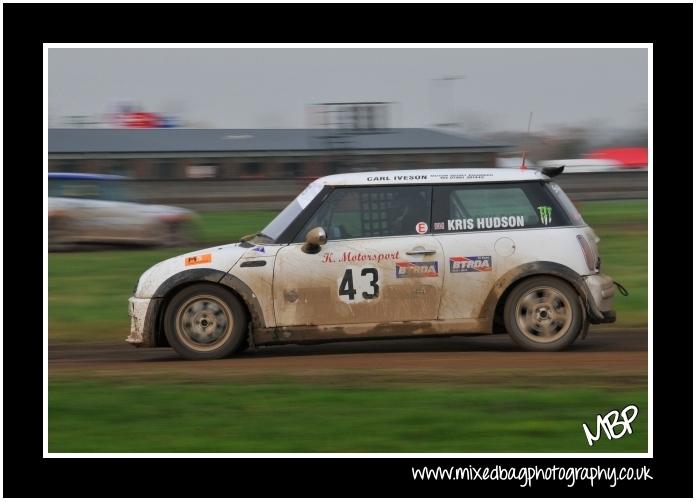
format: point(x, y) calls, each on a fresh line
point(205, 321)
point(544, 314)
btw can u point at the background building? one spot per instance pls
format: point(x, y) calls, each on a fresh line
point(168, 154)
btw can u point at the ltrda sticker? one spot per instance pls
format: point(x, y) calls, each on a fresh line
point(409, 269)
point(544, 214)
point(200, 259)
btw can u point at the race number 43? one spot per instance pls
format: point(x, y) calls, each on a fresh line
point(359, 284)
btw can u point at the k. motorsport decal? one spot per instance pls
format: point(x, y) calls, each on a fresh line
point(544, 214)
point(359, 257)
point(409, 269)
point(485, 223)
point(461, 264)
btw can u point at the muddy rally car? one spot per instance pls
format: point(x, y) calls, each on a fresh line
point(384, 255)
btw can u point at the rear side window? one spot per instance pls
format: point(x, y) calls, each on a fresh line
point(568, 206)
point(379, 211)
point(491, 207)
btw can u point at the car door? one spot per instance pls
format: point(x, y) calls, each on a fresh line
point(485, 230)
point(380, 263)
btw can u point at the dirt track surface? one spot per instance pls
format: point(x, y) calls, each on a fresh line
point(618, 353)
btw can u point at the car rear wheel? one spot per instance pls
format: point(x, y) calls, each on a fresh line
point(205, 321)
point(544, 314)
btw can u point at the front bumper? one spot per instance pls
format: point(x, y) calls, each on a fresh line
point(143, 320)
point(600, 298)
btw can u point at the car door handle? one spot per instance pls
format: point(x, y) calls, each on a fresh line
point(417, 252)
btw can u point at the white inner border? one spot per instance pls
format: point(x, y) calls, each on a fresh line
point(579, 455)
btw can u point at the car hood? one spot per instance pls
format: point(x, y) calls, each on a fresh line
point(220, 258)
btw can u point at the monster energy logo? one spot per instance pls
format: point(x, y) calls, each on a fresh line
point(545, 214)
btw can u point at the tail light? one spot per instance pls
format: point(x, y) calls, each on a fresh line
point(591, 258)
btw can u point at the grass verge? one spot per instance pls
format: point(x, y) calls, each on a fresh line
point(114, 416)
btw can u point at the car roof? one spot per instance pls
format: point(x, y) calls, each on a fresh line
point(420, 176)
point(84, 176)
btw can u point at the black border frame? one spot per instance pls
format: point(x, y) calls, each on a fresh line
point(26, 474)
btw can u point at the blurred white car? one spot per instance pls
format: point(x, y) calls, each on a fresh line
point(97, 209)
point(575, 165)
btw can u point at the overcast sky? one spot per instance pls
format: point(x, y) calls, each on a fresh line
point(257, 88)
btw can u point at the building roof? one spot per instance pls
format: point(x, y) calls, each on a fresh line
point(63, 141)
point(419, 176)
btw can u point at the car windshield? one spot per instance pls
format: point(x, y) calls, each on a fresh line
point(276, 227)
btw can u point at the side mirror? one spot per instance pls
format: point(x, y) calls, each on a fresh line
point(316, 237)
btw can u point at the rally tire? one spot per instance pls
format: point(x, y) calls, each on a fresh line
point(205, 322)
point(544, 314)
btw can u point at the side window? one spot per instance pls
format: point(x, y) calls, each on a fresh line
point(482, 207)
point(379, 211)
point(90, 190)
point(567, 204)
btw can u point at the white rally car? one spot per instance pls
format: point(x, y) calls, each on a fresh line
point(385, 255)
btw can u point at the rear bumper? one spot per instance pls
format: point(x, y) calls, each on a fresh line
point(143, 318)
point(600, 299)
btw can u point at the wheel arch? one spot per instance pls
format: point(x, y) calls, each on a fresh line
point(495, 301)
point(170, 287)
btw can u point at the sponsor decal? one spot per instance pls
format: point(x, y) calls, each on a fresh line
point(359, 257)
point(461, 264)
point(200, 259)
point(259, 249)
point(397, 178)
point(485, 223)
point(544, 214)
point(421, 228)
point(409, 269)
point(439, 226)
point(444, 177)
